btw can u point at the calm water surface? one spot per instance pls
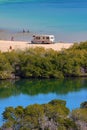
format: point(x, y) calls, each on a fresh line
point(26, 92)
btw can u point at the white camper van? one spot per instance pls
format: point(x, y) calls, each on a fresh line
point(43, 39)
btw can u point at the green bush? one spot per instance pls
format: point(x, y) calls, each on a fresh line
point(38, 117)
point(40, 63)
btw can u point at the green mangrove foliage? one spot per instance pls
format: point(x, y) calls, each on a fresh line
point(41, 63)
point(51, 116)
point(80, 116)
point(5, 67)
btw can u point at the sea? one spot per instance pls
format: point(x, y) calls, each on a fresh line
point(65, 19)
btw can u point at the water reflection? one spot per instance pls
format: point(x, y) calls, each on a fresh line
point(35, 87)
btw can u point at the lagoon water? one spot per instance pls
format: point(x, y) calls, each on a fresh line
point(27, 92)
point(66, 19)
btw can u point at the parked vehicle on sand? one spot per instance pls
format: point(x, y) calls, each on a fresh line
point(43, 39)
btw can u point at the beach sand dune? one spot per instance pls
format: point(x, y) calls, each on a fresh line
point(14, 45)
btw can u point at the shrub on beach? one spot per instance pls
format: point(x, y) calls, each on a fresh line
point(40, 63)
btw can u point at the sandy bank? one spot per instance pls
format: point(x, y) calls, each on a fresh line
point(8, 45)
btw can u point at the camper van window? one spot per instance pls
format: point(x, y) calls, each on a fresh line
point(37, 37)
point(52, 38)
point(47, 37)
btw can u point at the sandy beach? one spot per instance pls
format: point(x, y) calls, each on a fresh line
point(6, 46)
point(22, 41)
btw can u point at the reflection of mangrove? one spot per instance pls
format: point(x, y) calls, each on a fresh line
point(34, 87)
point(8, 88)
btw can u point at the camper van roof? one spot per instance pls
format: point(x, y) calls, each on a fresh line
point(43, 35)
